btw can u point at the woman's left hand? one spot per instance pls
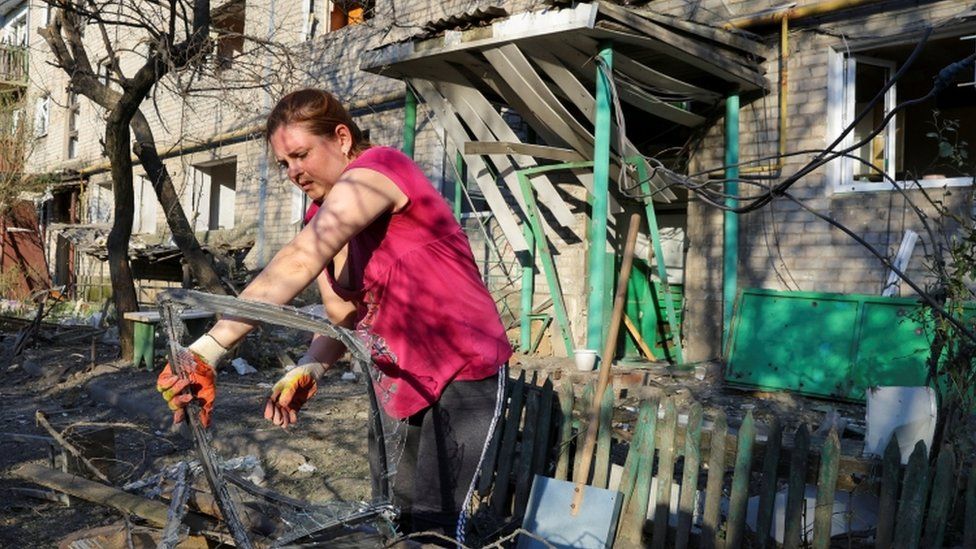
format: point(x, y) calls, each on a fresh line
point(291, 393)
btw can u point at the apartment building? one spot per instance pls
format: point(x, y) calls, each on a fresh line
point(698, 85)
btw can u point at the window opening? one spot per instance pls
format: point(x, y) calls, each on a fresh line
point(346, 13)
point(144, 216)
point(932, 142)
point(215, 191)
point(73, 109)
point(227, 33)
point(42, 110)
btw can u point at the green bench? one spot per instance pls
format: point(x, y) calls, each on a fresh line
point(144, 332)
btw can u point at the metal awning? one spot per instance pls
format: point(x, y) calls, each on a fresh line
point(541, 65)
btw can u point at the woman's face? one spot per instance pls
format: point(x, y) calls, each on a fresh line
point(313, 162)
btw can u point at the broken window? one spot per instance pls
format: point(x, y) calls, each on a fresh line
point(345, 13)
point(100, 202)
point(310, 18)
point(227, 33)
point(214, 194)
point(72, 117)
point(42, 114)
point(931, 142)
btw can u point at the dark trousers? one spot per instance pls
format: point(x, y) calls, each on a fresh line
point(441, 448)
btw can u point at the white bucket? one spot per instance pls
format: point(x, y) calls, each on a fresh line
point(585, 359)
point(908, 412)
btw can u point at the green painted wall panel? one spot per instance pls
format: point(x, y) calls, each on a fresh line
point(832, 345)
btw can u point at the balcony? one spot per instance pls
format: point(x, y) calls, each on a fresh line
point(13, 67)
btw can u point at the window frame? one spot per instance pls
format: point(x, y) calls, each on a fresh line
point(841, 79)
point(72, 120)
point(42, 112)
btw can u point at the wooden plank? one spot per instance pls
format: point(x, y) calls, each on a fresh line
point(523, 469)
point(565, 428)
point(543, 434)
point(514, 148)
point(640, 467)
point(911, 510)
point(447, 118)
point(629, 474)
point(506, 457)
point(487, 475)
point(714, 483)
point(969, 522)
point(641, 344)
point(796, 490)
point(943, 492)
point(601, 463)
point(768, 484)
point(739, 496)
point(152, 511)
point(665, 475)
point(689, 477)
point(888, 499)
point(585, 403)
point(826, 488)
point(487, 123)
point(731, 68)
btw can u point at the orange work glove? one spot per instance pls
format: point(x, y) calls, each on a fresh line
point(200, 381)
point(292, 392)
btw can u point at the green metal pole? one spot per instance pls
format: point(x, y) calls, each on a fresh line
point(409, 122)
point(730, 279)
point(597, 275)
point(461, 173)
point(528, 288)
point(662, 270)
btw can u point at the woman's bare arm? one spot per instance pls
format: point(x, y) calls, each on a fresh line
point(357, 199)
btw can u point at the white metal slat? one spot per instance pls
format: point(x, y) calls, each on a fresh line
point(533, 93)
point(576, 91)
point(493, 122)
point(447, 118)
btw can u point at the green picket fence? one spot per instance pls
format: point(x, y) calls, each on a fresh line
point(929, 502)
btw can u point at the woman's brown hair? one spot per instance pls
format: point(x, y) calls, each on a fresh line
point(320, 112)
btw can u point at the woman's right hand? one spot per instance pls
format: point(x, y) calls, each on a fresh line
point(201, 385)
point(198, 360)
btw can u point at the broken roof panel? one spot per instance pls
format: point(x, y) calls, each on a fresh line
point(541, 65)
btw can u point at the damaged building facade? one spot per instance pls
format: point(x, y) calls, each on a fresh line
point(485, 93)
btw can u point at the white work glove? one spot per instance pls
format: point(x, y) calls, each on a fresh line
point(293, 390)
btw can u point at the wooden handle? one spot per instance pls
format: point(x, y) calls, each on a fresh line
point(620, 298)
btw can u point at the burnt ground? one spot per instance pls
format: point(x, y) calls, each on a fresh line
point(322, 459)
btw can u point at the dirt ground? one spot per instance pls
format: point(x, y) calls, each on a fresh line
point(322, 459)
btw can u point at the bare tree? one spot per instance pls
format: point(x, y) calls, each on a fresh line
point(178, 34)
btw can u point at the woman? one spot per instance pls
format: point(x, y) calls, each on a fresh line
point(406, 277)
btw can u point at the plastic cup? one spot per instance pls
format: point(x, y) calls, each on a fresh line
point(585, 359)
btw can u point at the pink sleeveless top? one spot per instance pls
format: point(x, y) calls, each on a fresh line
point(422, 306)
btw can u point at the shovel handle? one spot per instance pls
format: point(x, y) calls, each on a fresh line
point(583, 473)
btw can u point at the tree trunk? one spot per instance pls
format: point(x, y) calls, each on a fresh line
point(200, 263)
point(123, 288)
